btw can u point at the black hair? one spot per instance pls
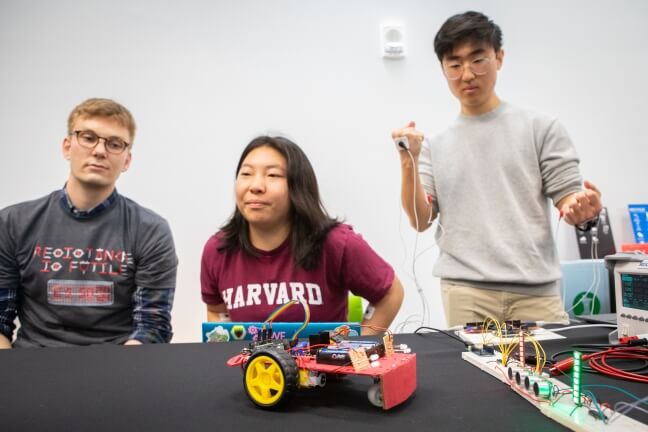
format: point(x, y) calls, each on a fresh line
point(474, 27)
point(310, 223)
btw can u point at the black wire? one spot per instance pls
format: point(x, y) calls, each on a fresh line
point(466, 343)
point(591, 346)
point(554, 357)
point(584, 365)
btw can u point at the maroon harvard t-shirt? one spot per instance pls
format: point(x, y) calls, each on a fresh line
point(253, 287)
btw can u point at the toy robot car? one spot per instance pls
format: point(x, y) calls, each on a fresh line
point(273, 370)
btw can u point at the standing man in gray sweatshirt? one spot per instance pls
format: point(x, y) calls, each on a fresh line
point(489, 178)
point(85, 265)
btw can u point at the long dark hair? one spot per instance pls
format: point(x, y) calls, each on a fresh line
point(310, 223)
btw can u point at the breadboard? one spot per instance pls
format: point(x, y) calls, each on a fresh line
point(563, 411)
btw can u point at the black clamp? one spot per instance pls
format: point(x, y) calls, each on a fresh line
point(588, 225)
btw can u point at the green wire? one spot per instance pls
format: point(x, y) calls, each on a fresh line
point(618, 389)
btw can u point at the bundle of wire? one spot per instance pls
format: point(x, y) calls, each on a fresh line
point(285, 306)
point(425, 313)
point(508, 342)
point(600, 362)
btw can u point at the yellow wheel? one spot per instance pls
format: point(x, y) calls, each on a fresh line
point(270, 377)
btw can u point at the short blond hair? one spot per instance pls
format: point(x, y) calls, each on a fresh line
point(103, 108)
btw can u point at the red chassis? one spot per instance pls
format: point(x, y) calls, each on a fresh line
point(272, 374)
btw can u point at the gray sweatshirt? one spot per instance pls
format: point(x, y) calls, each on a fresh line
point(75, 278)
point(491, 177)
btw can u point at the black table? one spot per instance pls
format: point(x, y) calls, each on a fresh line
point(186, 387)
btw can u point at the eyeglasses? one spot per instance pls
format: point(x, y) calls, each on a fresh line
point(454, 69)
point(89, 140)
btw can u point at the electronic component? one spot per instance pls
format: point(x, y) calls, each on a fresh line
point(521, 376)
point(339, 355)
point(273, 372)
point(483, 350)
point(510, 326)
point(402, 143)
point(543, 389)
point(274, 369)
point(333, 356)
point(309, 378)
point(512, 372)
point(598, 240)
point(367, 345)
point(577, 396)
point(597, 415)
point(318, 340)
point(631, 293)
point(402, 348)
point(561, 409)
point(530, 380)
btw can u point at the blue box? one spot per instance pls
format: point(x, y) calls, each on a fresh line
point(639, 221)
point(233, 331)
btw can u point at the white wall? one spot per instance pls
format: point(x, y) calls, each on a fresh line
point(204, 77)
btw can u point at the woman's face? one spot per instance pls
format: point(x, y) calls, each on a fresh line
point(262, 189)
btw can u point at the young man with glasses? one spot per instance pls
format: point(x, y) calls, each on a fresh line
point(489, 178)
point(85, 265)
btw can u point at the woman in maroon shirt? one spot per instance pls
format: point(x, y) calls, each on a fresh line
point(281, 244)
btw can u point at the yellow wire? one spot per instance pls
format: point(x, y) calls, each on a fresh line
point(541, 355)
point(306, 319)
point(507, 347)
point(508, 343)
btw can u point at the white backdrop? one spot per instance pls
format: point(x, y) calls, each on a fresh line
point(204, 77)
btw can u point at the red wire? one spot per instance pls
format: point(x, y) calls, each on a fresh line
point(598, 362)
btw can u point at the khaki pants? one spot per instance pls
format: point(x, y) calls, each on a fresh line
point(464, 304)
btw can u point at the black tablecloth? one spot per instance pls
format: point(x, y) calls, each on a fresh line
point(186, 387)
